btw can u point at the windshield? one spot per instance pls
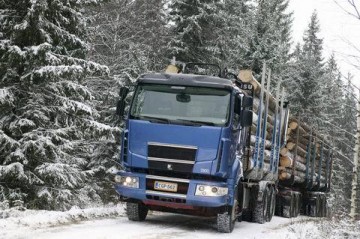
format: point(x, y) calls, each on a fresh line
point(181, 104)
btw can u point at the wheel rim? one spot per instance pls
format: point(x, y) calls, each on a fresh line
point(234, 211)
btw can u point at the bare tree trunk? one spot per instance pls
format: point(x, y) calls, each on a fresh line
point(353, 211)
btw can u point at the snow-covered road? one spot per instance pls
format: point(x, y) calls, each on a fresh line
point(163, 226)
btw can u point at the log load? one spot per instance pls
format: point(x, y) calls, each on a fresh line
point(294, 153)
point(247, 76)
point(293, 156)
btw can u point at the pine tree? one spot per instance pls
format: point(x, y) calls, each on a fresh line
point(195, 24)
point(46, 121)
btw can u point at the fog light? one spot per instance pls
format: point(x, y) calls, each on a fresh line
point(210, 191)
point(118, 178)
point(127, 181)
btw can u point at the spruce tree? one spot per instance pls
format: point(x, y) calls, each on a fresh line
point(195, 24)
point(344, 151)
point(308, 81)
point(270, 38)
point(332, 100)
point(47, 120)
point(233, 36)
point(130, 38)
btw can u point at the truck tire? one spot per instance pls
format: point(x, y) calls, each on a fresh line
point(297, 205)
point(293, 205)
point(136, 211)
point(314, 207)
point(226, 221)
point(324, 207)
point(271, 204)
point(247, 215)
point(261, 208)
point(278, 207)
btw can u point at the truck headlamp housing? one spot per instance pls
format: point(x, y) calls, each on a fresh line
point(210, 191)
point(127, 181)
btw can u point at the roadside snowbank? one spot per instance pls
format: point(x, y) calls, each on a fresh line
point(12, 219)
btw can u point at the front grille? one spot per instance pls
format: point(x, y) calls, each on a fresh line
point(175, 152)
point(171, 158)
point(170, 166)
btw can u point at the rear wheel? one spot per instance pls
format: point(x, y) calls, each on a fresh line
point(271, 204)
point(136, 211)
point(293, 205)
point(261, 208)
point(287, 207)
point(297, 205)
point(313, 206)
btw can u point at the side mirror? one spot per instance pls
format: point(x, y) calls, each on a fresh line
point(246, 118)
point(120, 107)
point(123, 92)
point(247, 101)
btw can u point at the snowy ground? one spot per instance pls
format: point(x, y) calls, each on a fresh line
point(111, 222)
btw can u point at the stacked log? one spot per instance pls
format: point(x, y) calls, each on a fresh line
point(246, 76)
point(293, 164)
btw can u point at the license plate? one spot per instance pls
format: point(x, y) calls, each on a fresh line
point(165, 186)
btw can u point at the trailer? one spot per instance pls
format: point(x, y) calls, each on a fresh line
point(302, 167)
point(215, 146)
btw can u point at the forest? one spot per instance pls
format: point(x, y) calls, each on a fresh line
point(62, 64)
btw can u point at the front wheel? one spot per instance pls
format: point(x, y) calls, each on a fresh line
point(136, 211)
point(226, 221)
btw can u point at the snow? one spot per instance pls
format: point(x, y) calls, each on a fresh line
point(111, 222)
point(6, 96)
point(27, 224)
point(59, 70)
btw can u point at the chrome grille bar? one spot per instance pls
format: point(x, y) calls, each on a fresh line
point(180, 180)
point(170, 160)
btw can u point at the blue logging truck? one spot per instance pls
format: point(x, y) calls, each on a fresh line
point(219, 146)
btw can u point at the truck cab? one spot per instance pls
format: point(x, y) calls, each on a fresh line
point(182, 147)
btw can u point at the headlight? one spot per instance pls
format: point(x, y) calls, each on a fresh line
point(127, 181)
point(210, 191)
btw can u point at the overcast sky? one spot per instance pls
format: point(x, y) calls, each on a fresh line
point(338, 29)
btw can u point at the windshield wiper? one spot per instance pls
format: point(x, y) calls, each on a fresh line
point(153, 119)
point(196, 122)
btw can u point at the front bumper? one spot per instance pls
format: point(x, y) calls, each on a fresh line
point(189, 199)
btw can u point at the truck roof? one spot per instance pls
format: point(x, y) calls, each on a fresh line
point(186, 80)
